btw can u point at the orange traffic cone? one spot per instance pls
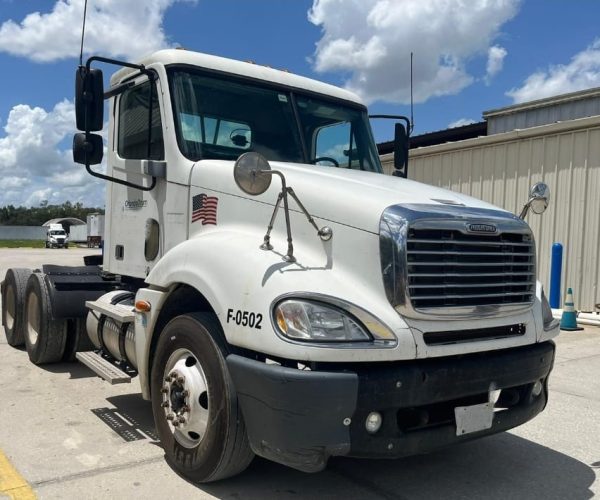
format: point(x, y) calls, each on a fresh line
point(568, 320)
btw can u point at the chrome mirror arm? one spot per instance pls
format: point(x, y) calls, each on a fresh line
point(325, 233)
point(525, 209)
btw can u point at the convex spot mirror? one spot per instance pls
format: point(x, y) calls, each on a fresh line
point(89, 99)
point(88, 151)
point(539, 197)
point(251, 173)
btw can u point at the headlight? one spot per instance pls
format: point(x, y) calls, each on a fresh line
point(315, 321)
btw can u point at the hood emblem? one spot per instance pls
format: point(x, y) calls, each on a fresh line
point(481, 228)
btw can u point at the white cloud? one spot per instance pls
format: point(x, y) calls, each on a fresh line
point(117, 28)
point(372, 40)
point(495, 62)
point(461, 122)
point(34, 163)
point(582, 72)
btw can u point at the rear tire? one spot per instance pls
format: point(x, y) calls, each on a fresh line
point(45, 337)
point(211, 442)
point(13, 304)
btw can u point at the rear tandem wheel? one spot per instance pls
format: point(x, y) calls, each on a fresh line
point(13, 304)
point(45, 337)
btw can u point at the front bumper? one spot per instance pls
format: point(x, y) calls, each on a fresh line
point(302, 417)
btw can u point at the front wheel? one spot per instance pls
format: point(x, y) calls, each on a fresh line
point(195, 405)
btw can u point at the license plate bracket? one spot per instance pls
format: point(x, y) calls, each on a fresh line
point(473, 418)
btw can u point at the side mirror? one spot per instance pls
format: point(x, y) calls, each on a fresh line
point(400, 151)
point(88, 151)
point(89, 99)
point(539, 197)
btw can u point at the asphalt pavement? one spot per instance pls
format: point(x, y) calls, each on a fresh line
point(65, 433)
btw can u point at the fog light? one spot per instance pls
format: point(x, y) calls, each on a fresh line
point(373, 422)
point(537, 388)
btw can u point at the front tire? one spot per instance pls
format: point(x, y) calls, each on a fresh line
point(195, 405)
point(13, 303)
point(45, 337)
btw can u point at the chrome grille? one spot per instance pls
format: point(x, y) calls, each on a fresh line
point(449, 268)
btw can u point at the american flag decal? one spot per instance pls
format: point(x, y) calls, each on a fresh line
point(204, 208)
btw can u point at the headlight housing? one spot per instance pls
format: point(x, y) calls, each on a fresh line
point(312, 321)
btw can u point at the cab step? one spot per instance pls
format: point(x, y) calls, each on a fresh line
point(119, 313)
point(103, 367)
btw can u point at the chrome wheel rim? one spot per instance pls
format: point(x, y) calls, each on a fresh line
point(185, 398)
point(33, 319)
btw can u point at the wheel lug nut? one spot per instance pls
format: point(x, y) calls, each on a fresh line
point(181, 380)
point(167, 379)
point(165, 390)
point(185, 409)
point(164, 404)
point(175, 423)
point(171, 416)
point(173, 376)
point(185, 393)
point(182, 420)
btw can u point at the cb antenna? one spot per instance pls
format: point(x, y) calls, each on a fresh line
point(412, 119)
point(82, 34)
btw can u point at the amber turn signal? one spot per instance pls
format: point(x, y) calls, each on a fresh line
point(142, 306)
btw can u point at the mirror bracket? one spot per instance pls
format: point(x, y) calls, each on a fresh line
point(252, 174)
point(83, 73)
point(401, 143)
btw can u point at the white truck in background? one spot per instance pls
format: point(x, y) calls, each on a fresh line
point(56, 237)
point(273, 291)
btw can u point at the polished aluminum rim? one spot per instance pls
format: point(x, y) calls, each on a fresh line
point(185, 398)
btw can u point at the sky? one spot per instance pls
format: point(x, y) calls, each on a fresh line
point(469, 56)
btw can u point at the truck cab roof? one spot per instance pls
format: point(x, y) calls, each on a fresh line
point(248, 69)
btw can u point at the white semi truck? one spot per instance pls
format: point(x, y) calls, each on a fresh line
point(273, 291)
point(56, 237)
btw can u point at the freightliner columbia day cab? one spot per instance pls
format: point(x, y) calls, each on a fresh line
point(273, 291)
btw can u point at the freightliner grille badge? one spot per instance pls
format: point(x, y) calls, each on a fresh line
point(481, 228)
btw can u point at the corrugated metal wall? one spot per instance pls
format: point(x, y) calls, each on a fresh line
point(542, 115)
point(501, 168)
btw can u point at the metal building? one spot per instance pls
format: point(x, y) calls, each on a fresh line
point(501, 167)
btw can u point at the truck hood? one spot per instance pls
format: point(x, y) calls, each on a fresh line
point(344, 196)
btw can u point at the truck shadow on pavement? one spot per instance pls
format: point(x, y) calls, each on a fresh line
point(131, 418)
point(496, 467)
point(76, 370)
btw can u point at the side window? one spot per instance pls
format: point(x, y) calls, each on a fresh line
point(333, 141)
point(133, 125)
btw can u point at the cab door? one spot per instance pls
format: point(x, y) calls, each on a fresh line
point(135, 241)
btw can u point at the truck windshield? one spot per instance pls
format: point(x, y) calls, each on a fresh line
point(221, 118)
point(57, 233)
